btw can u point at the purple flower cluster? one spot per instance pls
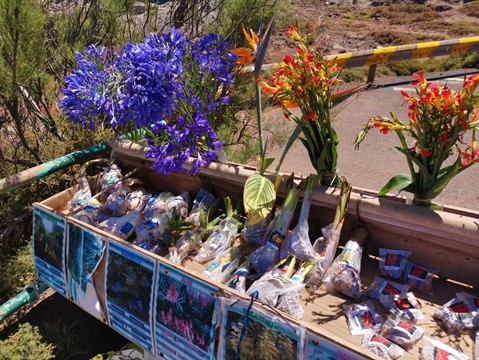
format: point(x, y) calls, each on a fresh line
point(168, 84)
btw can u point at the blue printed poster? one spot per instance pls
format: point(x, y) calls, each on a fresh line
point(130, 280)
point(267, 335)
point(49, 248)
point(184, 315)
point(84, 251)
point(319, 348)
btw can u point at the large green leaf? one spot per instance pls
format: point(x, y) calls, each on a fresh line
point(258, 197)
point(398, 182)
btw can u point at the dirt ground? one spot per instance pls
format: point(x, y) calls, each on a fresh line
point(354, 25)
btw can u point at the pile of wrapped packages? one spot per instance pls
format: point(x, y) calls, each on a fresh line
point(278, 261)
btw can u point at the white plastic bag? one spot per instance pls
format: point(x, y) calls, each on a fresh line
point(434, 349)
point(362, 317)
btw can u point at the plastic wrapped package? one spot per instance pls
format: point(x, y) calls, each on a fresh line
point(115, 203)
point(91, 213)
point(379, 345)
point(255, 234)
point(331, 235)
point(392, 263)
point(110, 180)
point(382, 286)
point(267, 255)
point(221, 239)
point(296, 242)
point(217, 269)
point(458, 313)
point(271, 286)
point(123, 226)
point(136, 200)
point(204, 203)
point(343, 274)
point(81, 197)
point(179, 204)
point(419, 277)
point(402, 333)
point(149, 230)
point(156, 205)
point(362, 317)
point(238, 280)
point(434, 350)
point(188, 242)
point(290, 302)
point(403, 307)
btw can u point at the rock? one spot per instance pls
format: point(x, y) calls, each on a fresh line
point(441, 7)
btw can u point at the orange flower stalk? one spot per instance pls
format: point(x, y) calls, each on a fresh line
point(307, 81)
point(438, 122)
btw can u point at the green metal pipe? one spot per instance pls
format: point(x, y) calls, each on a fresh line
point(24, 297)
point(27, 176)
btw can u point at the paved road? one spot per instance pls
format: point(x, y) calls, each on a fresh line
point(376, 161)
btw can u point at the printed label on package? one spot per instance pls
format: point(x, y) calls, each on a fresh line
point(130, 281)
point(318, 348)
point(84, 252)
point(49, 248)
point(184, 311)
point(266, 333)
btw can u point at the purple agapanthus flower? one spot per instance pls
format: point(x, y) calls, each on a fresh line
point(168, 84)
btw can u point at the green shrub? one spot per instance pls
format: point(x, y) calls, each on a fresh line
point(26, 344)
point(17, 272)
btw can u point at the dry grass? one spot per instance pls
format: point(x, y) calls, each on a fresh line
point(470, 9)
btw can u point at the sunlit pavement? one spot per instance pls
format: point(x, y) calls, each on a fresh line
point(377, 161)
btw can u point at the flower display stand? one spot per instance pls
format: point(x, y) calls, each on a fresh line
point(174, 312)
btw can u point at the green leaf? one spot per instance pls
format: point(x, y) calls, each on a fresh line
point(258, 197)
point(398, 182)
point(266, 163)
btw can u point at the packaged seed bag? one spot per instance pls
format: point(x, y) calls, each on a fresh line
point(435, 350)
point(382, 286)
point(458, 313)
point(362, 317)
point(379, 345)
point(419, 277)
point(403, 307)
point(402, 333)
point(392, 263)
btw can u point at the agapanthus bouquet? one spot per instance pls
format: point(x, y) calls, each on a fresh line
point(168, 85)
point(307, 81)
point(439, 120)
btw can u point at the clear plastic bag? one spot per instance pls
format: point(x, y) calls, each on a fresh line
point(186, 244)
point(123, 226)
point(271, 286)
point(434, 349)
point(149, 230)
point(382, 286)
point(221, 239)
point(392, 263)
point(81, 197)
point(343, 274)
point(178, 204)
point(91, 213)
point(330, 244)
point(297, 242)
point(457, 314)
point(136, 200)
point(110, 180)
point(379, 345)
point(203, 204)
point(255, 234)
point(115, 203)
point(156, 205)
point(218, 268)
point(402, 333)
point(403, 307)
point(419, 277)
point(362, 317)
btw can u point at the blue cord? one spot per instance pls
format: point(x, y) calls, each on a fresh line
point(254, 296)
point(212, 340)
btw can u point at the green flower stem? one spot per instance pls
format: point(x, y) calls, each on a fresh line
point(262, 149)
